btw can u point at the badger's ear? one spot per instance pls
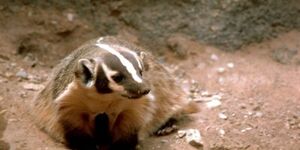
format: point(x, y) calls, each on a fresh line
point(143, 57)
point(85, 72)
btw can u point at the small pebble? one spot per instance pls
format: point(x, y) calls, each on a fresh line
point(22, 74)
point(70, 17)
point(8, 74)
point(230, 65)
point(246, 129)
point(13, 64)
point(222, 116)
point(193, 137)
point(250, 113)
point(181, 133)
point(221, 81)
point(32, 87)
point(214, 57)
point(258, 114)
point(222, 132)
point(205, 93)
point(216, 97)
point(221, 70)
point(213, 103)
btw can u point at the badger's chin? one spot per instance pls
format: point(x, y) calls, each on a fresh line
point(132, 96)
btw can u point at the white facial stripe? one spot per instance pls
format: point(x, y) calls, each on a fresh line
point(108, 73)
point(127, 64)
point(132, 53)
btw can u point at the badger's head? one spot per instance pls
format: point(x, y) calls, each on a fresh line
point(118, 70)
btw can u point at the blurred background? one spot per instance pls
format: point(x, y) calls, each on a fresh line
point(238, 58)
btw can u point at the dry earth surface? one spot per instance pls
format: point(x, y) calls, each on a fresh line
point(258, 86)
point(260, 97)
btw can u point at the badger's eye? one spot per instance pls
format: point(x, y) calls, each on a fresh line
point(141, 72)
point(118, 77)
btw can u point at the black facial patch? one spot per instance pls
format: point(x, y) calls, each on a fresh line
point(102, 82)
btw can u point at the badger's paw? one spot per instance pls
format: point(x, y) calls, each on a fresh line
point(168, 128)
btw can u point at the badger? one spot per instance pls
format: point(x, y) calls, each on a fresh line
point(108, 94)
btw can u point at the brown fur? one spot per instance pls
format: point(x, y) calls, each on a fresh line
point(65, 100)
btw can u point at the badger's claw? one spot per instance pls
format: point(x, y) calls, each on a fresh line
point(168, 128)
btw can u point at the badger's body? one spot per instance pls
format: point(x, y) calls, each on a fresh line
point(84, 104)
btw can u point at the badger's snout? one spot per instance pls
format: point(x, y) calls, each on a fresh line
point(144, 91)
point(137, 90)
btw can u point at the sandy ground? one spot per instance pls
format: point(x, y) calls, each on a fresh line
point(259, 88)
point(258, 85)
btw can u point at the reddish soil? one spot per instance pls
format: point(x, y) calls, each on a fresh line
point(260, 93)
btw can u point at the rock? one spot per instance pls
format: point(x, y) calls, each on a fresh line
point(70, 17)
point(216, 97)
point(210, 101)
point(221, 81)
point(230, 65)
point(221, 70)
point(246, 129)
point(32, 87)
point(205, 93)
point(222, 116)
point(214, 57)
point(22, 74)
point(8, 74)
point(221, 132)
point(213, 103)
point(193, 137)
point(181, 134)
point(258, 114)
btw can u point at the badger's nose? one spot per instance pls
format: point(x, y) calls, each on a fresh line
point(146, 91)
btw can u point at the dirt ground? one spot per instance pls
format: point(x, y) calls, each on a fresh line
point(259, 84)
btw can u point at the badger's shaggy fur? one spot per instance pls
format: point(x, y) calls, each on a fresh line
point(85, 106)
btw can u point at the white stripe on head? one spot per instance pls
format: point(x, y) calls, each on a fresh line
point(127, 50)
point(126, 63)
point(132, 53)
point(108, 73)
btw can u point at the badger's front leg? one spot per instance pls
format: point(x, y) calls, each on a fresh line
point(78, 131)
point(102, 133)
point(125, 131)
